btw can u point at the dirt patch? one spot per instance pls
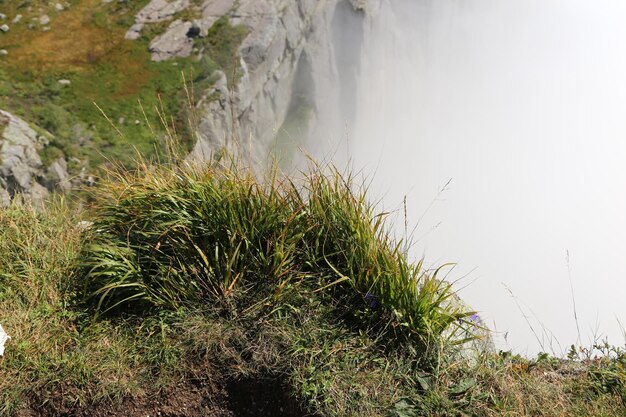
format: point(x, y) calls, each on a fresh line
point(262, 398)
point(192, 398)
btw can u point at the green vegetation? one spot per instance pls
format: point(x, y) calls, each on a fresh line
point(194, 277)
point(85, 45)
point(206, 274)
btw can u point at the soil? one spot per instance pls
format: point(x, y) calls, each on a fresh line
point(203, 397)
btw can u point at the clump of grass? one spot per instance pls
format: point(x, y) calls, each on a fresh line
point(169, 237)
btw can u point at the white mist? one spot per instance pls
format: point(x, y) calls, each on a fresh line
point(522, 103)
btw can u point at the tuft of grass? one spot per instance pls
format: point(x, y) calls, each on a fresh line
point(169, 237)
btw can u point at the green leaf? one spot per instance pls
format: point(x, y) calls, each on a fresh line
point(404, 408)
point(463, 386)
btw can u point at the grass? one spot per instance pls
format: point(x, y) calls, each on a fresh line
point(288, 279)
point(169, 238)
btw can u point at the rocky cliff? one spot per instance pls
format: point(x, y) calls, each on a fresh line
point(288, 63)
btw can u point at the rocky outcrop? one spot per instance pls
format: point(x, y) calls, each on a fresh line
point(288, 42)
point(288, 54)
point(154, 12)
point(175, 42)
point(21, 169)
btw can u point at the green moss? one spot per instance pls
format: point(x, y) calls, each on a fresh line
point(221, 45)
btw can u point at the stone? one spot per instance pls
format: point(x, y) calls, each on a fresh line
point(21, 170)
point(2, 16)
point(44, 19)
point(154, 12)
point(3, 339)
point(4, 28)
point(211, 11)
point(19, 161)
point(134, 32)
point(64, 82)
point(5, 198)
point(4, 52)
point(59, 7)
point(17, 18)
point(57, 176)
point(293, 25)
point(84, 225)
point(174, 42)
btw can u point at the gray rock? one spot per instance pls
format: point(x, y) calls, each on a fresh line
point(134, 32)
point(17, 18)
point(44, 19)
point(20, 164)
point(64, 82)
point(2, 16)
point(57, 176)
point(472, 328)
point(174, 42)
point(4, 52)
point(153, 12)
point(4, 28)
point(59, 7)
point(213, 10)
point(5, 198)
point(21, 170)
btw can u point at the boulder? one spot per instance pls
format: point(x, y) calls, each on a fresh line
point(153, 12)
point(174, 42)
point(21, 170)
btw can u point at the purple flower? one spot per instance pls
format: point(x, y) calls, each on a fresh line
point(372, 300)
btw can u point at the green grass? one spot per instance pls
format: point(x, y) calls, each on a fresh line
point(210, 274)
point(169, 238)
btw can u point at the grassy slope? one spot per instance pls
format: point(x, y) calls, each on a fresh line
point(332, 351)
point(85, 44)
point(328, 347)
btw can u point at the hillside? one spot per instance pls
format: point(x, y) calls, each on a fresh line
point(153, 262)
point(203, 292)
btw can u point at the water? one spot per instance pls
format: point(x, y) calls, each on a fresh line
point(522, 103)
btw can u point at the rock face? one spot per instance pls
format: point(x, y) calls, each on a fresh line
point(290, 62)
point(154, 12)
point(21, 169)
point(288, 55)
point(173, 43)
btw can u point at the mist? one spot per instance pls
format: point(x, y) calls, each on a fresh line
point(522, 105)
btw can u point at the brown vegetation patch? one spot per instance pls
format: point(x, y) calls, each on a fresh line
point(74, 40)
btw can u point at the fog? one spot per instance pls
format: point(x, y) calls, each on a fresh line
point(522, 105)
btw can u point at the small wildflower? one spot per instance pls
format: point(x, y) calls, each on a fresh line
point(372, 300)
